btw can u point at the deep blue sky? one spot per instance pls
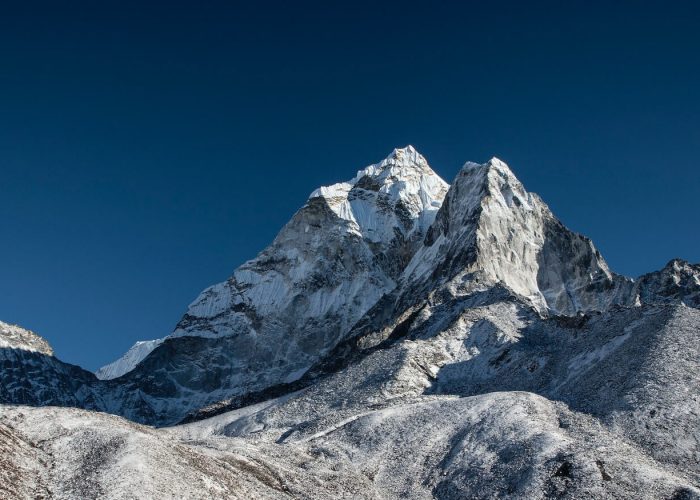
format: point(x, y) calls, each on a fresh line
point(145, 152)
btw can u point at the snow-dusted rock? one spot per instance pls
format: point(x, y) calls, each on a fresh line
point(129, 360)
point(16, 337)
point(677, 282)
point(23, 468)
point(507, 444)
point(492, 230)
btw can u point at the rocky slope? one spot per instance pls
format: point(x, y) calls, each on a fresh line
point(396, 339)
point(506, 444)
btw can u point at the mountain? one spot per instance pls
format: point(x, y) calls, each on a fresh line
point(129, 360)
point(342, 251)
point(281, 312)
point(492, 230)
point(398, 338)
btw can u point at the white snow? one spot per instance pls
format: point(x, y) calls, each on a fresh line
point(129, 360)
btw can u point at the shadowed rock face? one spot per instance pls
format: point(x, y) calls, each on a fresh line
point(37, 379)
point(31, 375)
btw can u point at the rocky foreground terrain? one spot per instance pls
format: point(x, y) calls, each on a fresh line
point(400, 338)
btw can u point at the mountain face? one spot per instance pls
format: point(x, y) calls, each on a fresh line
point(337, 256)
point(491, 229)
point(396, 339)
point(281, 312)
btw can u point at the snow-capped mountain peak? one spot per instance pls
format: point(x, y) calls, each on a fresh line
point(388, 205)
point(490, 225)
point(401, 165)
point(384, 210)
point(407, 194)
point(280, 312)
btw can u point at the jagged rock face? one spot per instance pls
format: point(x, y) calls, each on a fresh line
point(677, 282)
point(490, 226)
point(623, 367)
point(342, 251)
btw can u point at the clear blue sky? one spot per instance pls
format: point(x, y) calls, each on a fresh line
point(146, 152)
